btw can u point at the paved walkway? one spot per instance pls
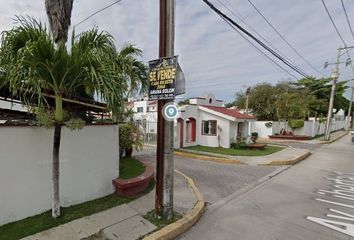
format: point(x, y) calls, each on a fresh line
point(305, 202)
point(122, 222)
point(286, 154)
point(315, 141)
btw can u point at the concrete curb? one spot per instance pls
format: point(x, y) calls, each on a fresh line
point(334, 139)
point(187, 221)
point(232, 161)
point(288, 162)
point(208, 158)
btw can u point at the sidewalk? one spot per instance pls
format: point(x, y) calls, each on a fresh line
point(295, 204)
point(320, 140)
point(286, 156)
point(122, 222)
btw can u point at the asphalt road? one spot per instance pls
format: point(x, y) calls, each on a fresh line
point(313, 200)
point(215, 180)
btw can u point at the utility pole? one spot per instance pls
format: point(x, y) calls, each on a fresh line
point(350, 109)
point(165, 129)
point(248, 91)
point(335, 76)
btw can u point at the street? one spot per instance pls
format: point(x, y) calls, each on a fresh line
point(215, 180)
point(311, 200)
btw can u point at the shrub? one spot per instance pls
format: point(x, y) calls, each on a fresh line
point(233, 145)
point(322, 120)
point(238, 145)
point(268, 124)
point(130, 136)
point(296, 123)
point(254, 136)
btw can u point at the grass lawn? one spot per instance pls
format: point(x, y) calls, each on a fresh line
point(237, 152)
point(130, 167)
point(44, 221)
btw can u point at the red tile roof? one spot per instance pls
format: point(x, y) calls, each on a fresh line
point(152, 102)
point(230, 112)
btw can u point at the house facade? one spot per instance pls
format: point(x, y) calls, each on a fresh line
point(145, 114)
point(204, 121)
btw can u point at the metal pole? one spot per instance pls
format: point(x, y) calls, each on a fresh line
point(165, 129)
point(350, 109)
point(248, 123)
point(333, 90)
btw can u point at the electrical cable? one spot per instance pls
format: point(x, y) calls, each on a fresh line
point(234, 12)
point(351, 30)
point(230, 21)
point(346, 16)
point(96, 12)
point(283, 38)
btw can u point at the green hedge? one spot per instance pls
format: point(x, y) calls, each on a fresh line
point(296, 123)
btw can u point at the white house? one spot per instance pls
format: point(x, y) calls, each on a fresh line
point(145, 113)
point(206, 122)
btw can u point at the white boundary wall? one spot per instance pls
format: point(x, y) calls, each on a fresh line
point(89, 160)
point(310, 128)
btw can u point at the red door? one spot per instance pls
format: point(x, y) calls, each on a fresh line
point(180, 134)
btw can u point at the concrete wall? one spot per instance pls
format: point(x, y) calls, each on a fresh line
point(311, 128)
point(261, 128)
point(89, 160)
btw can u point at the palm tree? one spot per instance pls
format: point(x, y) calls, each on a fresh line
point(133, 69)
point(32, 66)
point(59, 16)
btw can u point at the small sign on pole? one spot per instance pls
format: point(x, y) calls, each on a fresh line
point(162, 78)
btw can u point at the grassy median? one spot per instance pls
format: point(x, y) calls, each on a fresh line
point(236, 152)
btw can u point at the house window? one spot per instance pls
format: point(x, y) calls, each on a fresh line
point(209, 127)
point(139, 109)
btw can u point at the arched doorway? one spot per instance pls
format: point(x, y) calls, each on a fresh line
point(180, 131)
point(192, 129)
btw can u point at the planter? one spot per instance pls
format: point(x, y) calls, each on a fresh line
point(290, 137)
point(134, 186)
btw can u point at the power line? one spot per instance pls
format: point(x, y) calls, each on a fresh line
point(284, 39)
point(351, 30)
point(98, 11)
point(259, 50)
point(234, 12)
point(338, 33)
point(334, 25)
point(230, 21)
point(346, 16)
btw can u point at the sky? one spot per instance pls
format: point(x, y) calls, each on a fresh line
point(216, 59)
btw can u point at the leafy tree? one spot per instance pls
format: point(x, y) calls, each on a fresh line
point(240, 101)
point(230, 104)
point(292, 100)
point(32, 66)
point(183, 102)
point(321, 89)
point(262, 101)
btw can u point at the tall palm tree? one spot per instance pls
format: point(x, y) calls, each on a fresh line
point(59, 17)
point(134, 70)
point(31, 66)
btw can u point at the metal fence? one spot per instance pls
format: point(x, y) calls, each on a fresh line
point(149, 130)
